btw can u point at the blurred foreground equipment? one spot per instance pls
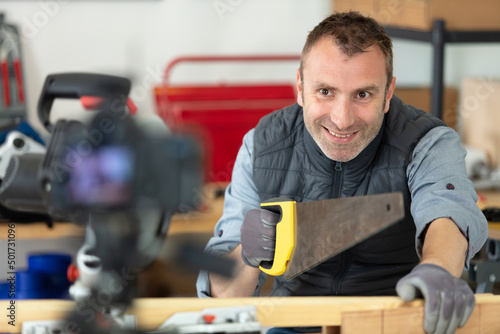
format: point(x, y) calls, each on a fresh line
point(120, 180)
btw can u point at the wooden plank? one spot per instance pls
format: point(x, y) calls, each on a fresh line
point(473, 325)
point(411, 320)
point(281, 311)
point(371, 322)
point(31, 310)
point(271, 311)
point(484, 320)
point(403, 320)
point(489, 322)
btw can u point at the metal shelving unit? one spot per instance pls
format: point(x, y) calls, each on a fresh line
point(439, 37)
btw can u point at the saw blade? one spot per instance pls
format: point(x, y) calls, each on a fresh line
point(326, 228)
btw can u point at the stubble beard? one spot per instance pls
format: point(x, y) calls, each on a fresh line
point(343, 152)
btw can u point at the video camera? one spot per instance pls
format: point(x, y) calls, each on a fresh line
point(118, 175)
point(109, 164)
point(114, 175)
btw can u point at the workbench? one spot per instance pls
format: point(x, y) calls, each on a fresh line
point(380, 315)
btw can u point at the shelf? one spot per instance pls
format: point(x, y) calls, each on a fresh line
point(41, 230)
point(194, 222)
point(449, 36)
point(439, 36)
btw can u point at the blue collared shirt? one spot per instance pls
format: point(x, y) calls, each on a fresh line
point(437, 166)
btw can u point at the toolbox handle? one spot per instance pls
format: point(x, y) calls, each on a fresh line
point(246, 58)
point(113, 89)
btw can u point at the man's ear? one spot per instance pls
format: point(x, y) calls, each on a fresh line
point(390, 92)
point(299, 89)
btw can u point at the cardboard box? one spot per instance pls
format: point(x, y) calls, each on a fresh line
point(366, 7)
point(420, 14)
point(480, 116)
point(421, 97)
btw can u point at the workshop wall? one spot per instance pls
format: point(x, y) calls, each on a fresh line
point(137, 38)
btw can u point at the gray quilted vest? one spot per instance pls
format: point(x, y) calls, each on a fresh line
point(288, 163)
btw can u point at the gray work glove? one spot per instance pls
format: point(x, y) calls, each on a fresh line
point(258, 237)
point(449, 301)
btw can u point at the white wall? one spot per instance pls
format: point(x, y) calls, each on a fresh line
point(413, 62)
point(136, 38)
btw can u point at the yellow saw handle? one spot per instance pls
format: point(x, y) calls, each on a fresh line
point(285, 235)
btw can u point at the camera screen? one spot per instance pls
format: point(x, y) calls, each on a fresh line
point(103, 178)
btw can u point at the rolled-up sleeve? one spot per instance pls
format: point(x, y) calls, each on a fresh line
point(440, 188)
point(240, 196)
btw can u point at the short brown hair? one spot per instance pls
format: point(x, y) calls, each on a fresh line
point(353, 33)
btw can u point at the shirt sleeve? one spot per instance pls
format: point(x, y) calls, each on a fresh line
point(240, 196)
point(440, 188)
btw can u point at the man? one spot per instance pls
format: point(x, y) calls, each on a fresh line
point(349, 136)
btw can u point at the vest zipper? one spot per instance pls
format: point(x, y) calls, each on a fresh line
point(337, 180)
point(337, 192)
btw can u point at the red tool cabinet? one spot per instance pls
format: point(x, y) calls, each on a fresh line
point(220, 114)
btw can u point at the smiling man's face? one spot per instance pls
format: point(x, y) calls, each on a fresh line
point(344, 98)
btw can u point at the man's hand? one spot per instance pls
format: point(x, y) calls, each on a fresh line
point(449, 301)
point(258, 236)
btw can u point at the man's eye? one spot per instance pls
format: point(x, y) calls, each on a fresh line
point(324, 91)
point(363, 95)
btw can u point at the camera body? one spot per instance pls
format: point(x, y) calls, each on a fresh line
point(113, 165)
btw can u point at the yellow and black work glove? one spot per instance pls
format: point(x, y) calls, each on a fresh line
point(449, 301)
point(258, 237)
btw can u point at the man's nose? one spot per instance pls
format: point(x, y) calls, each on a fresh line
point(342, 114)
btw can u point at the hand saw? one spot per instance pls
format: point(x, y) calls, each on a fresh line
point(309, 233)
